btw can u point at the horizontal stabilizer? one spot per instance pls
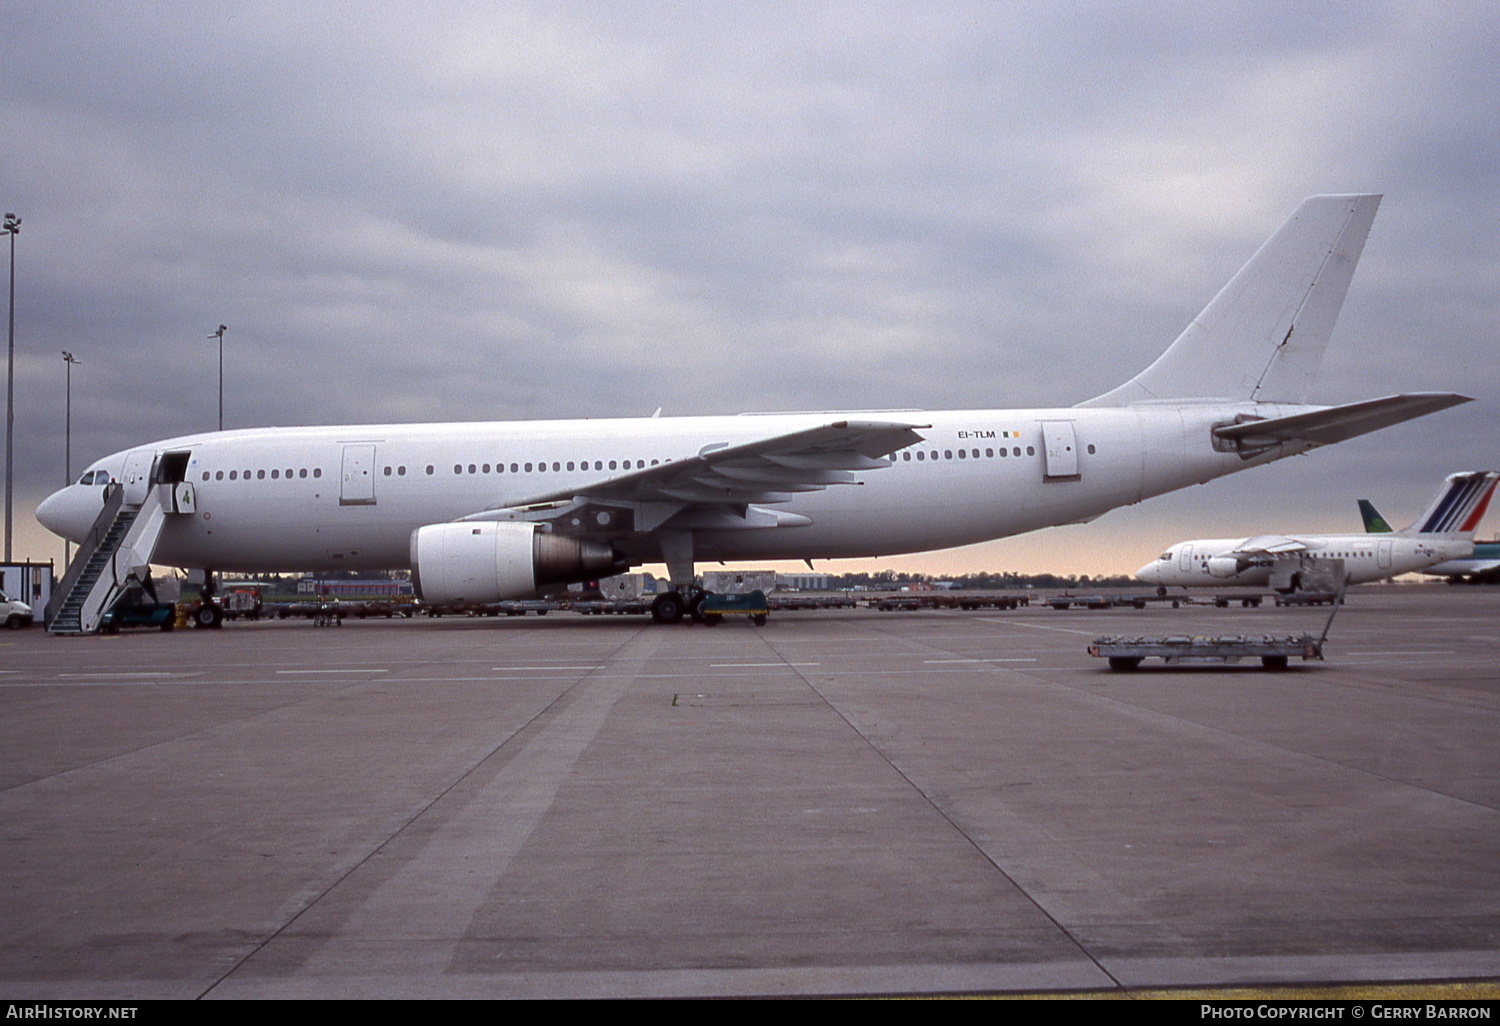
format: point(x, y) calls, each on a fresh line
point(1339, 423)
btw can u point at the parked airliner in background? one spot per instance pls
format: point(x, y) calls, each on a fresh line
point(482, 512)
point(1480, 566)
point(1445, 531)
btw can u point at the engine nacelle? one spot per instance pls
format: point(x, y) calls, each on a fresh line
point(485, 561)
point(1225, 566)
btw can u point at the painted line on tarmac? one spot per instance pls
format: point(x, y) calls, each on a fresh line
point(996, 660)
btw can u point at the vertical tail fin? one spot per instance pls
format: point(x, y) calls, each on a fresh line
point(1459, 506)
point(1263, 335)
point(1374, 522)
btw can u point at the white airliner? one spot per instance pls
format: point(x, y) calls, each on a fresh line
point(1481, 565)
point(1444, 532)
point(482, 512)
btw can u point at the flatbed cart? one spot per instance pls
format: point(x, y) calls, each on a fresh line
point(1275, 651)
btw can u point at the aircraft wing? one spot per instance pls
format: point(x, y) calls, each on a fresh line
point(730, 480)
point(1268, 545)
point(1340, 423)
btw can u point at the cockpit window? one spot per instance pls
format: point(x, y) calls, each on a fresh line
point(1165, 557)
point(93, 477)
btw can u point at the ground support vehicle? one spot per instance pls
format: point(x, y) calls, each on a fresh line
point(13, 613)
point(1308, 598)
point(1126, 653)
point(602, 607)
point(161, 615)
point(1275, 651)
point(810, 602)
point(947, 600)
point(1099, 601)
point(711, 608)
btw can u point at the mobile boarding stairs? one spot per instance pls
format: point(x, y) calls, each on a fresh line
point(116, 553)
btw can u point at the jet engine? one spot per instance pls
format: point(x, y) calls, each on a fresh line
point(486, 561)
point(1226, 566)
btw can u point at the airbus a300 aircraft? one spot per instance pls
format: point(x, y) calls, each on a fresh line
point(482, 512)
point(1444, 532)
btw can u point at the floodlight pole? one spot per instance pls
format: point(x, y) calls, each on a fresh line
point(68, 361)
point(220, 336)
point(12, 228)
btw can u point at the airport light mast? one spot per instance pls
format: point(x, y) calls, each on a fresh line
point(68, 361)
point(220, 336)
point(12, 228)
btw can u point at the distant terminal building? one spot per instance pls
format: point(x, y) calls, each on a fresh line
point(804, 582)
point(376, 587)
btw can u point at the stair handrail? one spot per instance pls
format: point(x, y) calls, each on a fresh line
point(114, 499)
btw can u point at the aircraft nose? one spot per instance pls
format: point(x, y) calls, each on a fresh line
point(71, 511)
point(1149, 573)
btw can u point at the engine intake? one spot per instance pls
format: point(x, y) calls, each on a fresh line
point(481, 562)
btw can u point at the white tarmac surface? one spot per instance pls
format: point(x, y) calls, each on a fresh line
point(838, 803)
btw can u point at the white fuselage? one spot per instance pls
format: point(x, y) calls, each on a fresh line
point(1210, 562)
point(279, 499)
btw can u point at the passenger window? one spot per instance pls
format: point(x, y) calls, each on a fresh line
point(234, 475)
point(277, 473)
point(1031, 450)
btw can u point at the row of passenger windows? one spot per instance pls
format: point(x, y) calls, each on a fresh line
point(274, 474)
point(920, 455)
point(556, 466)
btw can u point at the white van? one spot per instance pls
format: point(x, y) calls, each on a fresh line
point(15, 614)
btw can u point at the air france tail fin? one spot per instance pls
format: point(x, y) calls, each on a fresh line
point(1459, 505)
point(1263, 336)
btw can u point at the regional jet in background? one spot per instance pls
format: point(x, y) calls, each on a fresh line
point(482, 512)
point(1444, 532)
point(1481, 566)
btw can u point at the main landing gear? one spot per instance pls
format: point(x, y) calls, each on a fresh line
point(672, 606)
point(708, 608)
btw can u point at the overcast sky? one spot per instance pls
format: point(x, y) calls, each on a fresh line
point(503, 210)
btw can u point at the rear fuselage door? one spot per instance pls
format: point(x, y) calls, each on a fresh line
point(357, 481)
point(1383, 555)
